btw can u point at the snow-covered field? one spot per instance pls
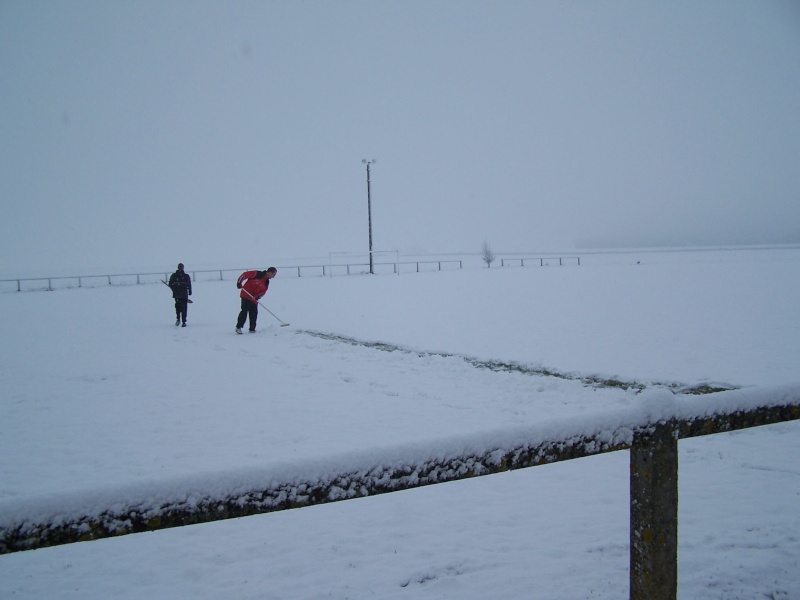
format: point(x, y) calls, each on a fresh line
point(104, 399)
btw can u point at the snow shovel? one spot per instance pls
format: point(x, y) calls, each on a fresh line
point(188, 300)
point(265, 308)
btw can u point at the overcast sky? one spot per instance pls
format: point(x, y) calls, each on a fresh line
point(231, 133)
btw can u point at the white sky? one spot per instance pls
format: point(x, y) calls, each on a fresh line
point(232, 133)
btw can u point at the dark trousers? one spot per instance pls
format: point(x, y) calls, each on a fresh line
point(181, 306)
point(248, 309)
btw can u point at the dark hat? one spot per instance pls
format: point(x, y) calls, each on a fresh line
point(180, 266)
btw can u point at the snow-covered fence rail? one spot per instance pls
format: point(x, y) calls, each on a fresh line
point(650, 430)
point(542, 262)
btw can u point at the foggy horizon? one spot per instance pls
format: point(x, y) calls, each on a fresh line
point(233, 133)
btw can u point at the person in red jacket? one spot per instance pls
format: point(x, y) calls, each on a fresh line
point(254, 284)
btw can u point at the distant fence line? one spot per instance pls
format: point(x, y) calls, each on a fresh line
point(79, 281)
point(31, 284)
point(543, 262)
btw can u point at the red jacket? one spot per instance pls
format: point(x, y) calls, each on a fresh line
point(253, 284)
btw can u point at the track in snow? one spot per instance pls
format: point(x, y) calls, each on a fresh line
point(594, 381)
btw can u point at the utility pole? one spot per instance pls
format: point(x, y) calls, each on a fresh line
point(369, 212)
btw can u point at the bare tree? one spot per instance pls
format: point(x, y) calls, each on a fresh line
point(486, 254)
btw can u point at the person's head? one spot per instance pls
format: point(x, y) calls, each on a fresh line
point(271, 272)
point(180, 266)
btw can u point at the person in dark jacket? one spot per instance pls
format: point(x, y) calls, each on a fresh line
point(254, 284)
point(181, 285)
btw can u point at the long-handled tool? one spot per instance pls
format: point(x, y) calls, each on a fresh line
point(265, 308)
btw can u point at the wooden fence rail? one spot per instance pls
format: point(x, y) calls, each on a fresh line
point(650, 430)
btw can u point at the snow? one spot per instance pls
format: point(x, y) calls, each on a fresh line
point(106, 404)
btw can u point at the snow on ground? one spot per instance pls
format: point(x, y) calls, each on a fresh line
point(102, 395)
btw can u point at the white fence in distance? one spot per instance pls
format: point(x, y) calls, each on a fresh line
point(397, 267)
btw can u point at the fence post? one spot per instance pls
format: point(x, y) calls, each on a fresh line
point(654, 513)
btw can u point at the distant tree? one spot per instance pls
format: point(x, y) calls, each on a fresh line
point(486, 254)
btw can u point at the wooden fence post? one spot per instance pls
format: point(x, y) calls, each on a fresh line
point(654, 514)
